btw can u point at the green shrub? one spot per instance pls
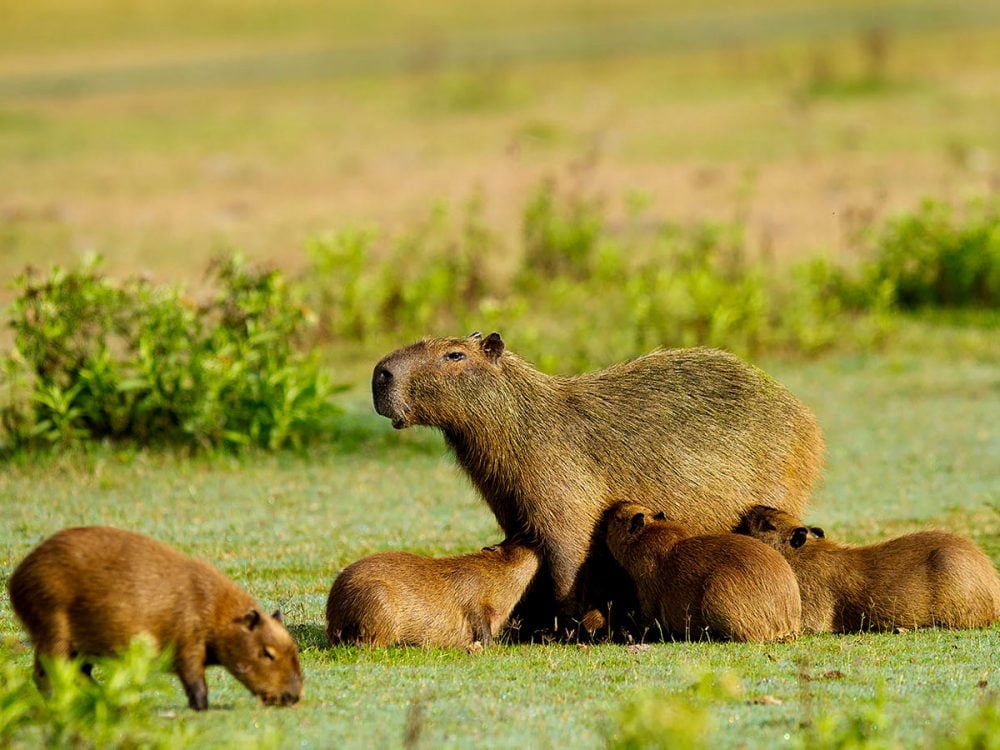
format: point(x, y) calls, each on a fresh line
point(366, 287)
point(653, 720)
point(939, 257)
point(114, 710)
point(581, 295)
point(141, 362)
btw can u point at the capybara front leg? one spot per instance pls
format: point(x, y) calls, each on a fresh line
point(191, 671)
point(51, 642)
point(566, 558)
point(482, 631)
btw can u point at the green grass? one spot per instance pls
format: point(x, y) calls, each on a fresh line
point(156, 134)
point(913, 440)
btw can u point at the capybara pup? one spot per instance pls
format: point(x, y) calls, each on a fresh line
point(694, 432)
point(922, 579)
point(401, 598)
point(88, 591)
point(714, 584)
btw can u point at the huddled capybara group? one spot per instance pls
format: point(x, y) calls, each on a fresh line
point(670, 485)
point(696, 433)
point(720, 585)
point(922, 579)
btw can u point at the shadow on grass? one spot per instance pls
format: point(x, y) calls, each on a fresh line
point(309, 635)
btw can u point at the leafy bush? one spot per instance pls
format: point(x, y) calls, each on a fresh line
point(142, 362)
point(581, 295)
point(434, 277)
point(654, 719)
point(113, 710)
point(938, 257)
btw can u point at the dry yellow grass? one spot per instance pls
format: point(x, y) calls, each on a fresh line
point(160, 154)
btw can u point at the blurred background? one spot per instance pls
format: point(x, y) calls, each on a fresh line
point(156, 133)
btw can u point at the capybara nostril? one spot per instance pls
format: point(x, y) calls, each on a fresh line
point(383, 375)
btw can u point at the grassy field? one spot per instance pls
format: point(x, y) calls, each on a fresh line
point(913, 442)
point(158, 133)
point(155, 135)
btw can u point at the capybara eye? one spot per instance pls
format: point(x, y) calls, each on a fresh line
point(455, 356)
point(268, 653)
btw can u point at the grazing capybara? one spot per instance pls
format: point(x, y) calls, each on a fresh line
point(696, 433)
point(922, 579)
point(714, 584)
point(400, 598)
point(88, 591)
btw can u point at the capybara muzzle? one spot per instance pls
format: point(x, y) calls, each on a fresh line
point(385, 394)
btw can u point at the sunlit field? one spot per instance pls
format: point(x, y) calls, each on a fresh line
point(159, 135)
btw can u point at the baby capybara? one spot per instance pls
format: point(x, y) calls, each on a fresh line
point(922, 579)
point(715, 584)
point(694, 432)
point(400, 598)
point(88, 591)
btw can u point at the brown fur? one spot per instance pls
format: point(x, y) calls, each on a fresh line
point(922, 579)
point(693, 432)
point(401, 598)
point(714, 584)
point(88, 591)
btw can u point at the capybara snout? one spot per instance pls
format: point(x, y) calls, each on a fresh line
point(262, 655)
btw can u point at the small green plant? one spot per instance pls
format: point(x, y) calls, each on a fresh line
point(977, 730)
point(940, 257)
point(865, 727)
point(141, 362)
point(651, 720)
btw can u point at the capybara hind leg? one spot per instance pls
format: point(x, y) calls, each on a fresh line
point(481, 629)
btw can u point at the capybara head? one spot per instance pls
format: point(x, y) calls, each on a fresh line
point(261, 654)
point(776, 528)
point(435, 381)
point(625, 521)
point(514, 551)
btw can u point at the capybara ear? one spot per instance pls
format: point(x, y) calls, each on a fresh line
point(251, 619)
point(660, 516)
point(817, 532)
point(492, 347)
point(799, 537)
point(475, 335)
point(277, 615)
point(766, 525)
point(638, 521)
point(491, 548)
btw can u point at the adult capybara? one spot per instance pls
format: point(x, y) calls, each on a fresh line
point(921, 579)
point(714, 584)
point(400, 598)
point(696, 433)
point(88, 591)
